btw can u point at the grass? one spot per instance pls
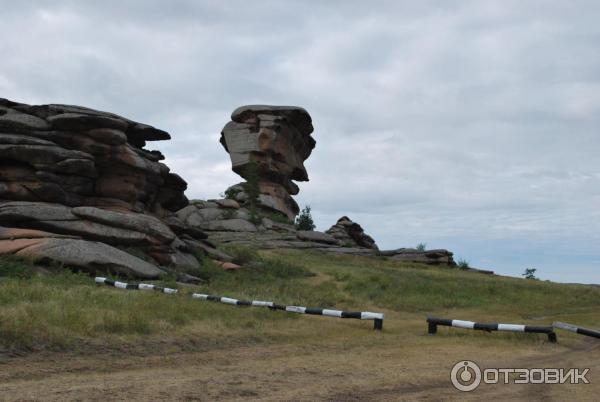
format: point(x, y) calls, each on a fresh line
point(62, 309)
point(276, 217)
point(15, 267)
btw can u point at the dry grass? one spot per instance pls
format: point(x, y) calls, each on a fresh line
point(59, 310)
point(117, 344)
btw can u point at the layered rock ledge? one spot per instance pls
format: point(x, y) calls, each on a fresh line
point(77, 186)
point(226, 222)
point(432, 257)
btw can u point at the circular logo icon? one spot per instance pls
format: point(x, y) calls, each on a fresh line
point(465, 375)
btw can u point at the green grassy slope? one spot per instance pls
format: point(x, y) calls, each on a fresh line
point(65, 309)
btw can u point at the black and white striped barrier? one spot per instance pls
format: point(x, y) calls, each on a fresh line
point(132, 286)
point(361, 315)
point(434, 322)
point(578, 330)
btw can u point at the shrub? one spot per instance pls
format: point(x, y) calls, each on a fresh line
point(251, 186)
point(242, 255)
point(14, 267)
point(463, 264)
point(231, 192)
point(229, 213)
point(529, 273)
point(277, 217)
point(421, 246)
point(210, 271)
point(254, 216)
point(304, 221)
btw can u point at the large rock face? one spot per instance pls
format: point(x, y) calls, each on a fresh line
point(83, 179)
point(77, 156)
point(276, 140)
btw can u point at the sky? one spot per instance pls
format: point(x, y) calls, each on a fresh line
point(471, 126)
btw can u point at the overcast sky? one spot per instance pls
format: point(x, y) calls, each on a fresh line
point(467, 125)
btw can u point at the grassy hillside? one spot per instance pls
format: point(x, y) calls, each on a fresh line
point(66, 310)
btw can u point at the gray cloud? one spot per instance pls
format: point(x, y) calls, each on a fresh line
point(471, 125)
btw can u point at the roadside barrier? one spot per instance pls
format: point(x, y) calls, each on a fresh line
point(133, 286)
point(434, 322)
point(361, 315)
point(578, 330)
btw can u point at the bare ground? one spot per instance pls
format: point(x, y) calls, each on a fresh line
point(378, 368)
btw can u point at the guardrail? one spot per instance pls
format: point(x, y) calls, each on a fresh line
point(578, 330)
point(434, 322)
point(361, 315)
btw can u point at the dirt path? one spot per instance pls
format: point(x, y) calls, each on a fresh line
point(291, 372)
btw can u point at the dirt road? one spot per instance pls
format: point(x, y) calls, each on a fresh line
point(385, 370)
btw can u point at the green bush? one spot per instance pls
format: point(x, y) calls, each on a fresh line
point(304, 220)
point(231, 193)
point(529, 273)
point(463, 264)
point(421, 246)
point(229, 213)
point(210, 271)
point(242, 255)
point(14, 267)
point(277, 217)
point(251, 186)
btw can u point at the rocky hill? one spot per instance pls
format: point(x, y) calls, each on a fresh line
point(78, 187)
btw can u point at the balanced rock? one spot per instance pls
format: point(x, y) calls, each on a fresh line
point(78, 187)
point(271, 142)
point(351, 234)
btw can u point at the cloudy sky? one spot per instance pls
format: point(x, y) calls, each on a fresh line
point(467, 125)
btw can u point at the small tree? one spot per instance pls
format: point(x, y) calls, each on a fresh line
point(304, 220)
point(463, 264)
point(230, 193)
point(252, 189)
point(251, 186)
point(529, 273)
point(421, 246)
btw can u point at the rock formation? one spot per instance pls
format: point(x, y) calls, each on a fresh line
point(274, 140)
point(77, 186)
point(351, 234)
point(432, 257)
point(225, 222)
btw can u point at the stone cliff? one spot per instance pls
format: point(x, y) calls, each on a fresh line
point(77, 186)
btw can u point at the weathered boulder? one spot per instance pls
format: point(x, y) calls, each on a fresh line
point(319, 237)
point(79, 183)
point(90, 256)
point(351, 234)
point(272, 142)
point(433, 257)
